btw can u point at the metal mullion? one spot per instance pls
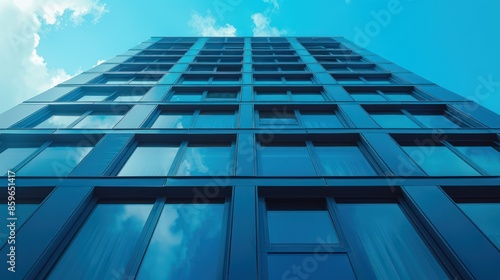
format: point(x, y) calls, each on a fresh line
point(177, 159)
point(147, 233)
point(314, 158)
point(465, 158)
point(298, 118)
point(196, 114)
point(130, 80)
point(263, 243)
point(112, 96)
point(363, 80)
point(412, 118)
point(379, 92)
point(224, 247)
point(289, 94)
point(85, 114)
point(204, 95)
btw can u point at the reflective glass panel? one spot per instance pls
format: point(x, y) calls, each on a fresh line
point(487, 157)
point(149, 161)
point(185, 96)
point(55, 161)
point(277, 119)
point(400, 96)
point(128, 98)
point(394, 120)
point(186, 243)
point(388, 243)
point(58, 121)
point(486, 216)
point(298, 96)
point(215, 120)
point(173, 120)
point(367, 97)
point(93, 98)
point(320, 120)
point(285, 161)
point(344, 161)
point(321, 266)
point(221, 95)
point(206, 161)
point(105, 244)
point(99, 121)
point(11, 157)
point(436, 121)
point(439, 161)
point(277, 96)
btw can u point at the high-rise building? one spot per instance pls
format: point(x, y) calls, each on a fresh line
point(249, 158)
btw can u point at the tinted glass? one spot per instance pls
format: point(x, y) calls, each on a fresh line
point(93, 98)
point(367, 97)
point(58, 121)
point(315, 226)
point(128, 98)
point(344, 161)
point(320, 120)
point(221, 95)
point(320, 266)
point(436, 121)
point(23, 212)
point(186, 243)
point(285, 161)
point(387, 242)
point(186, 96)
point(99, 121)
point(105, 244)
point(488, 158)
point(116, 80)
point(486, 216)
point(11, 157)
point(55, 161)
point(271, 96)
point(401, 97)
point(177, 120)
point(149, 161)
point(215, 120)
point(277, 119)
point(206, 161)
point(439, 161)
point(297, 96)
point(394, 120)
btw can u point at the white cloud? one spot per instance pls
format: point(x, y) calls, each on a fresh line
point(207, 26)
point(262, 26)
point(275, 3)
point(23, 72)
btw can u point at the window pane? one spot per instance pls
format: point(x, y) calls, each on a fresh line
point(181, 249)
point(315, 227)
point(486, 216)
point(344, 161)
point(285, 161)
point(387, 241)
point(401, 96)
point(394, 120)
point(307, 97)
point(105, 244)
point(58, 121)
point(99, 121)
point(320, 120)
point(115, 80)
point(206, 161)
point(439, 161)
point(215, 120)
point(93, 98)
point(271, 96)
point(277, 119)
point(367, 97)
point(488, 158)
point(11, 157)
point(179, 120)
point(23, 212)
point(128, 98)
point(321, 266)
point(195, 96)
point(55, 161)
point(149, 161)
point(436, 121)
point(221, 95)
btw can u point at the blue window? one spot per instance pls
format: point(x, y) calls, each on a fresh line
point(367, 96)
point(320, 119)
point(486, 216)
point(271, 96)
point(99, 120)
point(105, 244)
point(149, 160)
point(93, 97)
point(344, 161)
point(13, 156)
point(394, 120)
point(55, 160)
point(207, 119)
point(206, 161)
point(186, 244)
point(289, 160)
point(436, 121)
point(59, 121)
point(316, 225)
point(277, 119)
point(309, 266)
point(486, 157)
point(387, 243)
point(439, 161)
point(173, 120)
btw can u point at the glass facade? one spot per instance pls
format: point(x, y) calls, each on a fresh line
point(250, 158)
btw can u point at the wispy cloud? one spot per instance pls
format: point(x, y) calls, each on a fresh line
point(23, 72)
point(207, 26)
point(262, 26)
point(275, 3)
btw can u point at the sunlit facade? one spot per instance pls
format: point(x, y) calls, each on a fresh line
point(251, 158)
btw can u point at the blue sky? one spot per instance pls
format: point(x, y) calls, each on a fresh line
point(452, 43)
